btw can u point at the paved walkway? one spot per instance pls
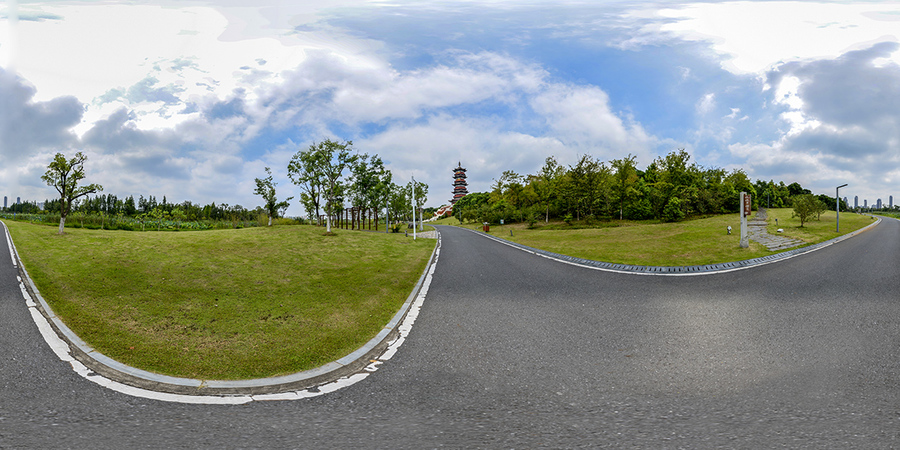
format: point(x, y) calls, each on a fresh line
point(757, 231)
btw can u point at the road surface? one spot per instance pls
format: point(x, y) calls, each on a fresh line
point(516, 350)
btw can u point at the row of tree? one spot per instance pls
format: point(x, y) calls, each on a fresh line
point(332, 176)
point(671, 188)
point(111, 205)
point(320, 172)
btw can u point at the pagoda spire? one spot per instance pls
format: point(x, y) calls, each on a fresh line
point(459, 183)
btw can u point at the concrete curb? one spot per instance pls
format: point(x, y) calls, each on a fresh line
point(121, 373)
point(707, 269)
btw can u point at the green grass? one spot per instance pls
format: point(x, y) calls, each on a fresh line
point(687, 243)
point(816, 230)
point(223, 304)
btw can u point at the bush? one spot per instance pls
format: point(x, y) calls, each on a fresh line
point(673, 212)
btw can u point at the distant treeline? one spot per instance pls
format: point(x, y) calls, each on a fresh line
point(670, 189)
point(112, 213)
point(111, 205)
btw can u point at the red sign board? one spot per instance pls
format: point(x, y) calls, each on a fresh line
point(747, 204)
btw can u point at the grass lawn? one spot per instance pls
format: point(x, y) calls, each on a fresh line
point(687, 243)
point(224, 304)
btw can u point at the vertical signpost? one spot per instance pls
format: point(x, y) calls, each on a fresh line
point(745, 212)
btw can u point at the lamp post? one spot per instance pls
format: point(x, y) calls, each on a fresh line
point(837, 206)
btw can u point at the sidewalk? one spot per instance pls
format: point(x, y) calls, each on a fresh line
point(757, 233)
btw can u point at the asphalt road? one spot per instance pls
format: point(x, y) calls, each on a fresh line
point(515, 350)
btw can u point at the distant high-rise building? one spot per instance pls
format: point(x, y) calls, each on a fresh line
point(18, 200)
point(878, 204)
point(856, 201)
point(891, 202)
point(865, 203)
point(4, 203)
point(845, 201)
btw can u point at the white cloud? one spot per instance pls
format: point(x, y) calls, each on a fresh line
point(754, 36)
point(707, 103)
point(581, 117)
point(429, 151)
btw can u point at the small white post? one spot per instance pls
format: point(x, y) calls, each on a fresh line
point(414, 206)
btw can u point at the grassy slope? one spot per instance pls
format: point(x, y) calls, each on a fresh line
point(225, 304)
point(692, 242)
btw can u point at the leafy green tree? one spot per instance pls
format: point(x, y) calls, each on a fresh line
point(331, 159)
point(624, 180)
point(673, 211)
point(466, 208)
point(370, 182)
point(806, 206)
point(265, 187)
point(546, 184)
point(64, 175)
point(398, 202)
point(305, 171)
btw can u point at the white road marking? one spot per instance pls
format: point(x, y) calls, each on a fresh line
point(63, 351)
point(12, 251)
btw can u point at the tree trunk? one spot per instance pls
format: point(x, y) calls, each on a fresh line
point(328, 223)
point(270, 221)
point(62, 223)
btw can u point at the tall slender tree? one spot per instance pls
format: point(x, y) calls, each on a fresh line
point(64, 175)
point(265, 187)
point(625, 179)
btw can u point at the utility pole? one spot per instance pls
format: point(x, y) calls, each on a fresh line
point(746, 205)
point(414, 205)
point(837, 207)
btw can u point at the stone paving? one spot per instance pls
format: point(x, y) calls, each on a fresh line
point(425, 234)
point(756, 229)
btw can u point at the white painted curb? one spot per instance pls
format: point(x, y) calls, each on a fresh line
point(402, 322)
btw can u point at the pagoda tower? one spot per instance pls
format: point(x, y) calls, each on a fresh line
point(459, 183)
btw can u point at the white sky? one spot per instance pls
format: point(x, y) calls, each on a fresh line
point(756, 35)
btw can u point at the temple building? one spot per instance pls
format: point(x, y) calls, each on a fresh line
point(459, 183)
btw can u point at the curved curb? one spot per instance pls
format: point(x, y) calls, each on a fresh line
point(92, 360)
point(675, 271)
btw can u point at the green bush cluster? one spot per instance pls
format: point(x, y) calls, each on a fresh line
point(99, 221)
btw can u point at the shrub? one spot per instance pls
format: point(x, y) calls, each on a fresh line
point(673, 212)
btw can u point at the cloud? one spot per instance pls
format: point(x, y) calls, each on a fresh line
point(430, 150)
point(26, 126)
point(850, 90)
point(844, 126)
point(751, 37)
point(706, 103)
point(580, 116)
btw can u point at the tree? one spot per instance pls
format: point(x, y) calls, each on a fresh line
point(806, 206)
point(330, 159)
point(266, 188)
point(64, 175)
point(625, 179)
point(305, 171)
point(370, 183)
point(546, 184)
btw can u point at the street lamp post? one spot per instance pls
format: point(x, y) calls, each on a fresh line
point(837, 206)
